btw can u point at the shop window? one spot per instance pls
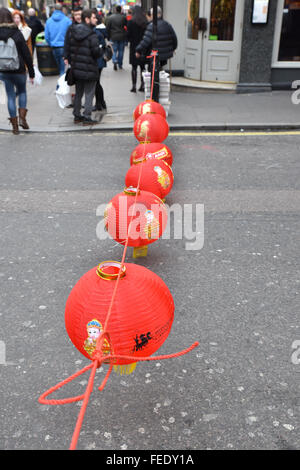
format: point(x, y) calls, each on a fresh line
point(289, 49)
point(222, 20)
point(193, 19)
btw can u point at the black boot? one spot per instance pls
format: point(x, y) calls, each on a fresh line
point(142, 87)
point(133, 78)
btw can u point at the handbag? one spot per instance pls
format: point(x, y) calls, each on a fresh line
point(69, 78)
point(107, 52)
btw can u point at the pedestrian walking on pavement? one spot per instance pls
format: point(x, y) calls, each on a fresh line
point(99, 93)
point(81, 52)
point(14, 55)
point(116, 33)
point(135, 32)
point(19, 19)
point(55, 32)
point(35, 24)
point(166, 39)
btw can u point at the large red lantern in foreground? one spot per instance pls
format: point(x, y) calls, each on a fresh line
point(156, 177)
point(151, 127)
point(149, 106)
point(148, 151)
point(140, 320)
point(144, 217)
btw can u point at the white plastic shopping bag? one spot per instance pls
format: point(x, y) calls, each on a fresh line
point(63, 92)
point(38, 77)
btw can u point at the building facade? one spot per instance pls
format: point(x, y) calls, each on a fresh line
point(254, 44)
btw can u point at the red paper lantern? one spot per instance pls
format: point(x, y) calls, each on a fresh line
point(149, 106)
point(156, 177)
point(151, 127)
point(148, 217)
point(150, 151)
point(141, 316)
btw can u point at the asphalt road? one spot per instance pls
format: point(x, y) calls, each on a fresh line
point(238, 295)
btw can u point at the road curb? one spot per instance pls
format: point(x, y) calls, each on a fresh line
point(173, 128)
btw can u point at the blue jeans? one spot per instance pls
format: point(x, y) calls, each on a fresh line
point(58, 53)
point(118, 47)
point(15, 85)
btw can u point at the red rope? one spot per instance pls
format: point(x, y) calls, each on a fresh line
point(98, 357)
point(80, 418)
point(98, 360)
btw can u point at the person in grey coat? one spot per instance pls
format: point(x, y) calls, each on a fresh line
point(116, 33)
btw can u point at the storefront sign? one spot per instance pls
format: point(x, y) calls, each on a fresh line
point(260, 11)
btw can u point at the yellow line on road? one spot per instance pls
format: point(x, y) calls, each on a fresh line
point(206, 134)
point(231, 133)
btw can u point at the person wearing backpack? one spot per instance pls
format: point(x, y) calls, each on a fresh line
point(14, 55)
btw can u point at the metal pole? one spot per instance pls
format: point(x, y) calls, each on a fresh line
point(154, 47)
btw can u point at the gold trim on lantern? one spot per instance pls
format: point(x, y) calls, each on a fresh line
point(110, 276)
point(131, 191)
point(141, 160)
point(145, 142)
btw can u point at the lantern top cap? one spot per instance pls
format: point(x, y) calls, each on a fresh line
point(109, 270)
point(131, 191)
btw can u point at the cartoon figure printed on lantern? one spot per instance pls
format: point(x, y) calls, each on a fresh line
point(152, 227)
point(163, 177)
point(94, 328)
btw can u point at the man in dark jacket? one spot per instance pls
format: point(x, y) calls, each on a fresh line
point(35, 24)
point(166, 39)
point(116, 33)
point(81, 52)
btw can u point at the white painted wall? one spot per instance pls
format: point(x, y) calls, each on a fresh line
point(175, 12)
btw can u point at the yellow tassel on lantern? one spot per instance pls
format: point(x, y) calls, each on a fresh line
point(140, 252)
point(126, 369)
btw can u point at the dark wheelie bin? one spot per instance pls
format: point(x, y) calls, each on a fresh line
point(46, 62)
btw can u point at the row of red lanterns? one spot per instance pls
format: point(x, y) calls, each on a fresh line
point(143, 311)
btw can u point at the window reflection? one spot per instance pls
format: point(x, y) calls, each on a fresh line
point(289, 49)
point(222, 20)
point(193, 19)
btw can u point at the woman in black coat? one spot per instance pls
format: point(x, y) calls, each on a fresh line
point(135, 32)
point(14, 78)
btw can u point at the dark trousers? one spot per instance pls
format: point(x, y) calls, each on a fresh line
point(86, 87)
point(99, 92)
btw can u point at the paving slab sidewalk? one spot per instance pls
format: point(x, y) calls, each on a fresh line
point(204, 110)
